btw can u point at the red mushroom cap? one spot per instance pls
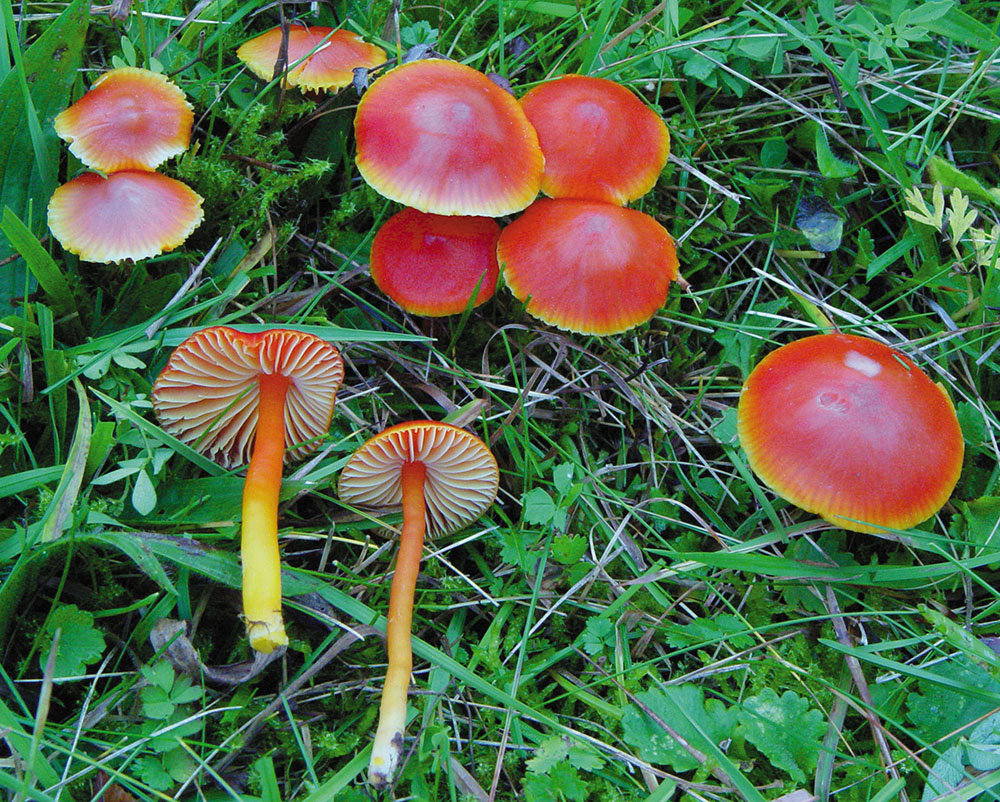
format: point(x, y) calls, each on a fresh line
point(600, 141)
point(430, 264)
point(131, 214)
point(132, 119)
point(206, 396)
point(443, 138)
point(461, 480)
point(852, 430)
point(335, 54)
point(586, 266)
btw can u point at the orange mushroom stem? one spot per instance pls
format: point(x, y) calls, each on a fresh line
point(443, 478)
point(259, 541)
point(392, 710)
point(248, 399)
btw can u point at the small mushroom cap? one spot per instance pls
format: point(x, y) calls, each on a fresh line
point(132, 119)
point(206, 395)
point(330, 67)
point(852, 430)
point(461, 480)
point(443, 138)
point(430, 264)
point(132, 214)
point(600, 141)
point(589, 267)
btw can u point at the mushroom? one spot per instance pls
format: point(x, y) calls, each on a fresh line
point(318, 58)
point(443, 477)
point(600, 141)
point(431, 264)
point(131, 119)
point(852, 430)
point(132, 214)
point(443, 138)
point(586, 266)
point(233, 396)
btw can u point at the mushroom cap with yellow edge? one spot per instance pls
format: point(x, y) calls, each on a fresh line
point(852, 430)
point(441, 137)
point(600, 141)
point(588, 266)
point(461, 478)
point(131, 214)
point(132, 119)
point(318, 58)
point(206, 395)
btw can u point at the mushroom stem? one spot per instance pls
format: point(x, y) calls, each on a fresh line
point(388, 743)
point(259, 546)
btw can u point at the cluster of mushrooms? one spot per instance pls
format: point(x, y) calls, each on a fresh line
point(840, 425)
point(130, 122)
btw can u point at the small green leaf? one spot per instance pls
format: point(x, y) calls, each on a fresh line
point(562, 477)
point(785, 729)
point(80, 644)
point(682, 708)
point(942, 709)
point(699, 67)
point(160, 674)
point(773, 153)
point(709, 631)
point(143, 494)
point(757, 47)
point(925, 13)
point(561, 784)
point(539, 508)
point(568, 549)
point(950, 177)
point(970, 419)
point(961, 216)
point(830, 165)
point(598, 633)
point(549, 754)
point(153, 774)
point(585, 757)
point(156, 703)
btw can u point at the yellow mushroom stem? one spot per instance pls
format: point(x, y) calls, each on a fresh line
point(388, 745)
point(259, 545)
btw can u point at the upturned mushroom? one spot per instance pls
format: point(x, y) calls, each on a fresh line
point(443, 478)
point(236, 396)
point(852, 430)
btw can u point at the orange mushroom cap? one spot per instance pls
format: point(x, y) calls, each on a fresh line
point(600, 141)
point(589, 267)
point(132, 214)
point(132, 119)
point(430, 264)
point(461, 480)
point(335, 54)
point(443, 138)
point(852, 430)
point(206, 396)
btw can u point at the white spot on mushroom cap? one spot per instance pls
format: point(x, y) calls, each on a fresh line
point(862, 364)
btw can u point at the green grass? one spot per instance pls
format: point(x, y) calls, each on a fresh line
point(637, 617)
